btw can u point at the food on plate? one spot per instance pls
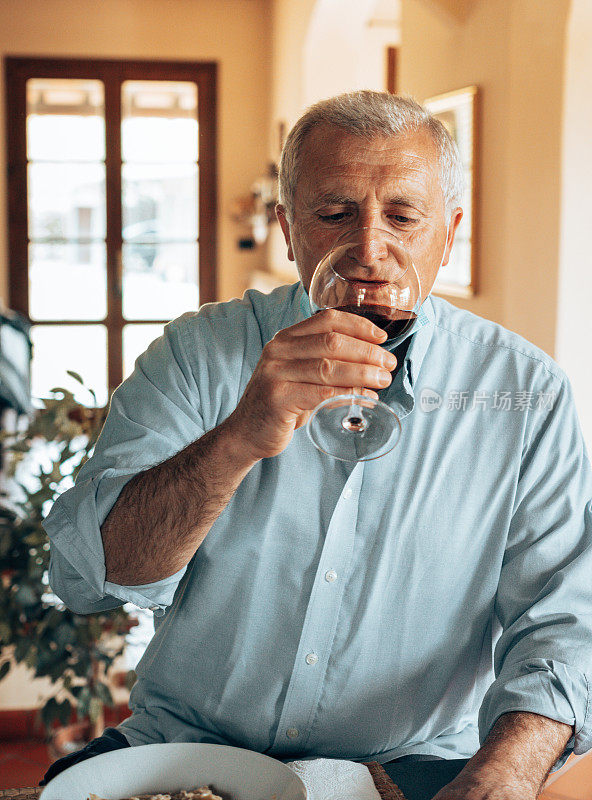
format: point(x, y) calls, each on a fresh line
point(201, 793)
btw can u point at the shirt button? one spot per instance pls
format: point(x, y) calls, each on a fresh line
point(292, 733)
point(348, 493)
point(330, 576)
point(311, 659)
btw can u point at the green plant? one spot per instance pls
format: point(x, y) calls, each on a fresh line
point(75, 651)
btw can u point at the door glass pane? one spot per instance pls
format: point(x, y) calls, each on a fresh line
point(159, 199)
point(67, 281)
point(159, 121)
point(162, 197)
point(159, 280)
point(65, 120)
point(81, 348)
point(66, 201)
point(136, 339)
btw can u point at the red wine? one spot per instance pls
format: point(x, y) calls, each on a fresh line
point(392, 320)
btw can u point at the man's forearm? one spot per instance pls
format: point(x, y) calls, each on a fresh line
point(513, 762)
point(527, 744)
point(163, 514)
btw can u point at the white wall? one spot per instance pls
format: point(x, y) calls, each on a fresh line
point(574, 317)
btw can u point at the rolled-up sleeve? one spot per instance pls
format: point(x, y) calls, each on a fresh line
point(153, 414)
point(543, 658)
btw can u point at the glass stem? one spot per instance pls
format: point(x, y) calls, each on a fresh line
point(354, 421)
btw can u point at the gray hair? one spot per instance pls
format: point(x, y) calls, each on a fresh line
point(369, 115)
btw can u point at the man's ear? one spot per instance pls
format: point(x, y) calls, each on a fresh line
point(280, 212)
point(455, 218)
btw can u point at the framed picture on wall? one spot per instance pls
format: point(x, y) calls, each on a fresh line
point(457, 111)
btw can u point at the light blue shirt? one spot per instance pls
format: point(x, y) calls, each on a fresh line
point(367, 611)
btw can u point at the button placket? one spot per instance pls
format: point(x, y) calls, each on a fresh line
point(320, 624)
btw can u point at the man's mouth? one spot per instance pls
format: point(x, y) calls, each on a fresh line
point(361, 282)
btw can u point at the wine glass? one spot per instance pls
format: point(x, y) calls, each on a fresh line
point(367, 272)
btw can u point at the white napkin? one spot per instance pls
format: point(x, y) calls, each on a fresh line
point(334, 779)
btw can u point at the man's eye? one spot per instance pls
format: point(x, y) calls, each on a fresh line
point(402, 220)
point(340, 216)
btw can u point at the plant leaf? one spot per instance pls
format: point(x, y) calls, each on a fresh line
point(103, 693)
point(64, 711)
point(130, 679)
point(50, 712)
point(75, 375)
point(95, 709)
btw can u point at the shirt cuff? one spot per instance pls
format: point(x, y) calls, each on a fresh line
point(153, 596)
point(73, 526)
point(549, 688)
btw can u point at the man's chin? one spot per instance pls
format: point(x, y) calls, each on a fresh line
point(305, 280)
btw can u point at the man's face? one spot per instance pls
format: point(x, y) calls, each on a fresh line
point(347, 182)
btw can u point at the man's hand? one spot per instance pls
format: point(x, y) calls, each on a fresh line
point(300, 367)
point(513, 762)
point(487, 783)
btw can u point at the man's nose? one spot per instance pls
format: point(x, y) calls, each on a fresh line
point(369, 249)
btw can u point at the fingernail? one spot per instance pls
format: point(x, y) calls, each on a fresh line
point(389, 360)
point(379, 333)
point(384, 377)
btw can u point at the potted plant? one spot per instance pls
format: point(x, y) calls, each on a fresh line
point(76, 652)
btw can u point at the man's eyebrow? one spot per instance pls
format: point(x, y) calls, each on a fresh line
point(407, 200)
point(332, 199)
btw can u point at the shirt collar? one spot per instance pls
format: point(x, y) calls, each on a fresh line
point(422, 331)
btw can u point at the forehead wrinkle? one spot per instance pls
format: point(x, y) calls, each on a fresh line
point(361, 166)
point(347, 154)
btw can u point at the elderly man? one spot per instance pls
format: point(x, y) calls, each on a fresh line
point(434, 603)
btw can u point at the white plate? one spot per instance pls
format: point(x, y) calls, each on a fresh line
point(242, 774)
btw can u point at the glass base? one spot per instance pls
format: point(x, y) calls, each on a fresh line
point(354, 428)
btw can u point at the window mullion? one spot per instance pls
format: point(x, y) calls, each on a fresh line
point(113, 199)
point(18, 234)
